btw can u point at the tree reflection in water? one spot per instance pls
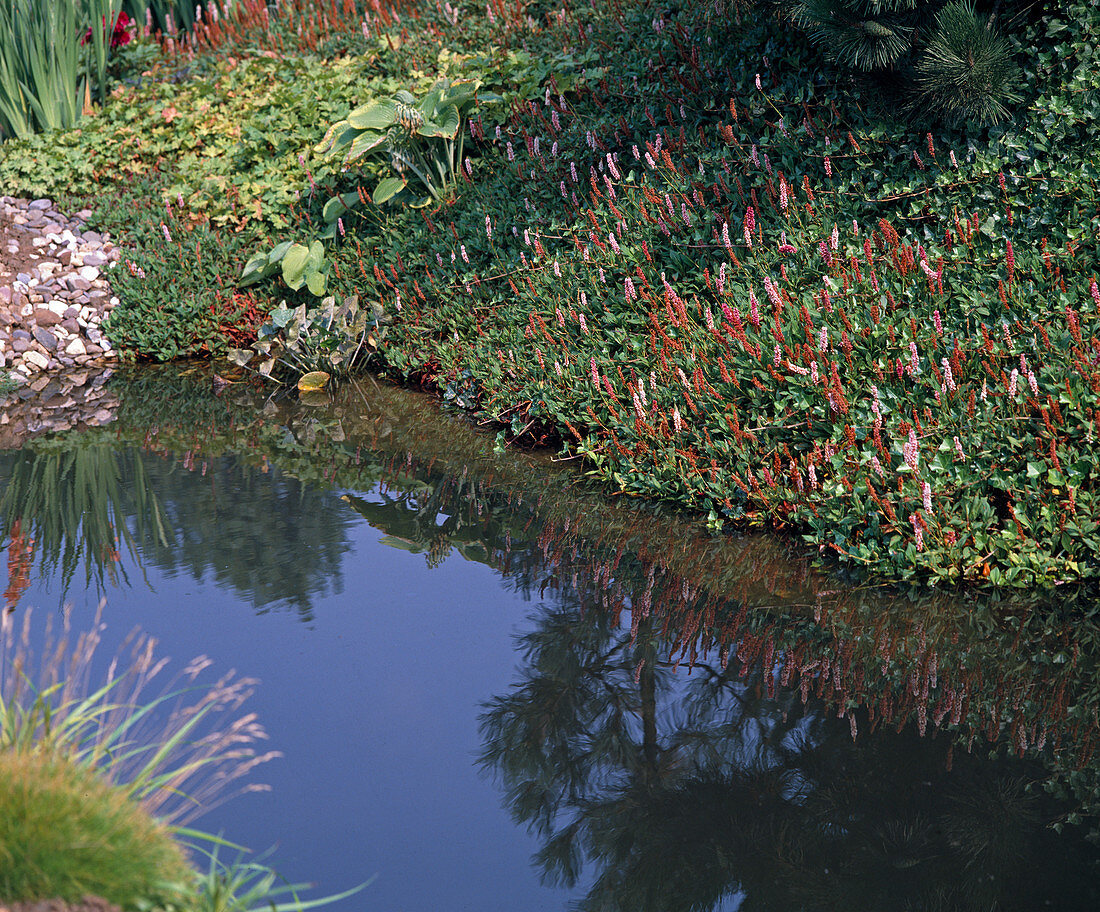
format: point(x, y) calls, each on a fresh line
point(827, 751)
point(684, 791)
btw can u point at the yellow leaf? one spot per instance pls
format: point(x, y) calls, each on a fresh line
point(312, 381)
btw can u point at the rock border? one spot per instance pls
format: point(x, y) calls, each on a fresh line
point(50, 315)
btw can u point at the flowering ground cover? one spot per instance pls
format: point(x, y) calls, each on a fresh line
point(681, 244)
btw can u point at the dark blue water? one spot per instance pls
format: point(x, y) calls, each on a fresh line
point(468, 659)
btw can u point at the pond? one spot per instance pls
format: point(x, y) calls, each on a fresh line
point(494, 688)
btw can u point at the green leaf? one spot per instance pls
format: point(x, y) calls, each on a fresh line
point(334, 208)
point(446, 126)
point(363, 143)
point(279, 251)
point(376, 115)
point(387, 188)
point(316, 282)
point(254, 269)
point(294, 266)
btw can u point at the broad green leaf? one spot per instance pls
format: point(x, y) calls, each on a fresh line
point(363, 143)
point(316, 282)
point(447, 124)
point(294, 266)
point(334, 208)
point(254, 269)
point(376, 115)
point(329, 139)
point(279, 251)
point(387, 188)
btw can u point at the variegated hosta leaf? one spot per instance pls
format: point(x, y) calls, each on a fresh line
point(330, 136)
point(364, 143)
point(375, 115)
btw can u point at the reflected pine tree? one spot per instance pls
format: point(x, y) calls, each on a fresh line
point(705, 793)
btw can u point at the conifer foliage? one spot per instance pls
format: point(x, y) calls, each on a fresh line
point(950, 59)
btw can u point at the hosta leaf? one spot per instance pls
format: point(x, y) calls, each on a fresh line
point(294, 266)
point(316, 282)
point(330, 136)
point(279, 251)
point(388, 188)
point(446, 124)
point(334, 208)
point(254, 269)
point(314, 380)
point(363, 143)
point(376, 115)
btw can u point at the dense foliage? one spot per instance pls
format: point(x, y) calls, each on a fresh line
point(946, 60)
point(680, 244)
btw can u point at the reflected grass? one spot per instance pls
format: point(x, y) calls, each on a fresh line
point(72, 496)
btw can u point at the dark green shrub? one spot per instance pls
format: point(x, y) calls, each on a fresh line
point(949, 60)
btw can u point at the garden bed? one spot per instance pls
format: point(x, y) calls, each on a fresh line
point(723, 274)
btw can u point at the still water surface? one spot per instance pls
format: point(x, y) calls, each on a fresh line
point(468, 660)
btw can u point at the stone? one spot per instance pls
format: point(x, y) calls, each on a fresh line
point(44, 316)
point(41, 204)
point(91, 273)
point(45, 338)
point(76, 347)
point(20, 345)
point(36, 359)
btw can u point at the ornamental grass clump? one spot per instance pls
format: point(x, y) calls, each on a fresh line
point(97, 784)
point(173, 753)
point(66, 833)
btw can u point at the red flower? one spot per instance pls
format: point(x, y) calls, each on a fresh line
point(120, 35)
